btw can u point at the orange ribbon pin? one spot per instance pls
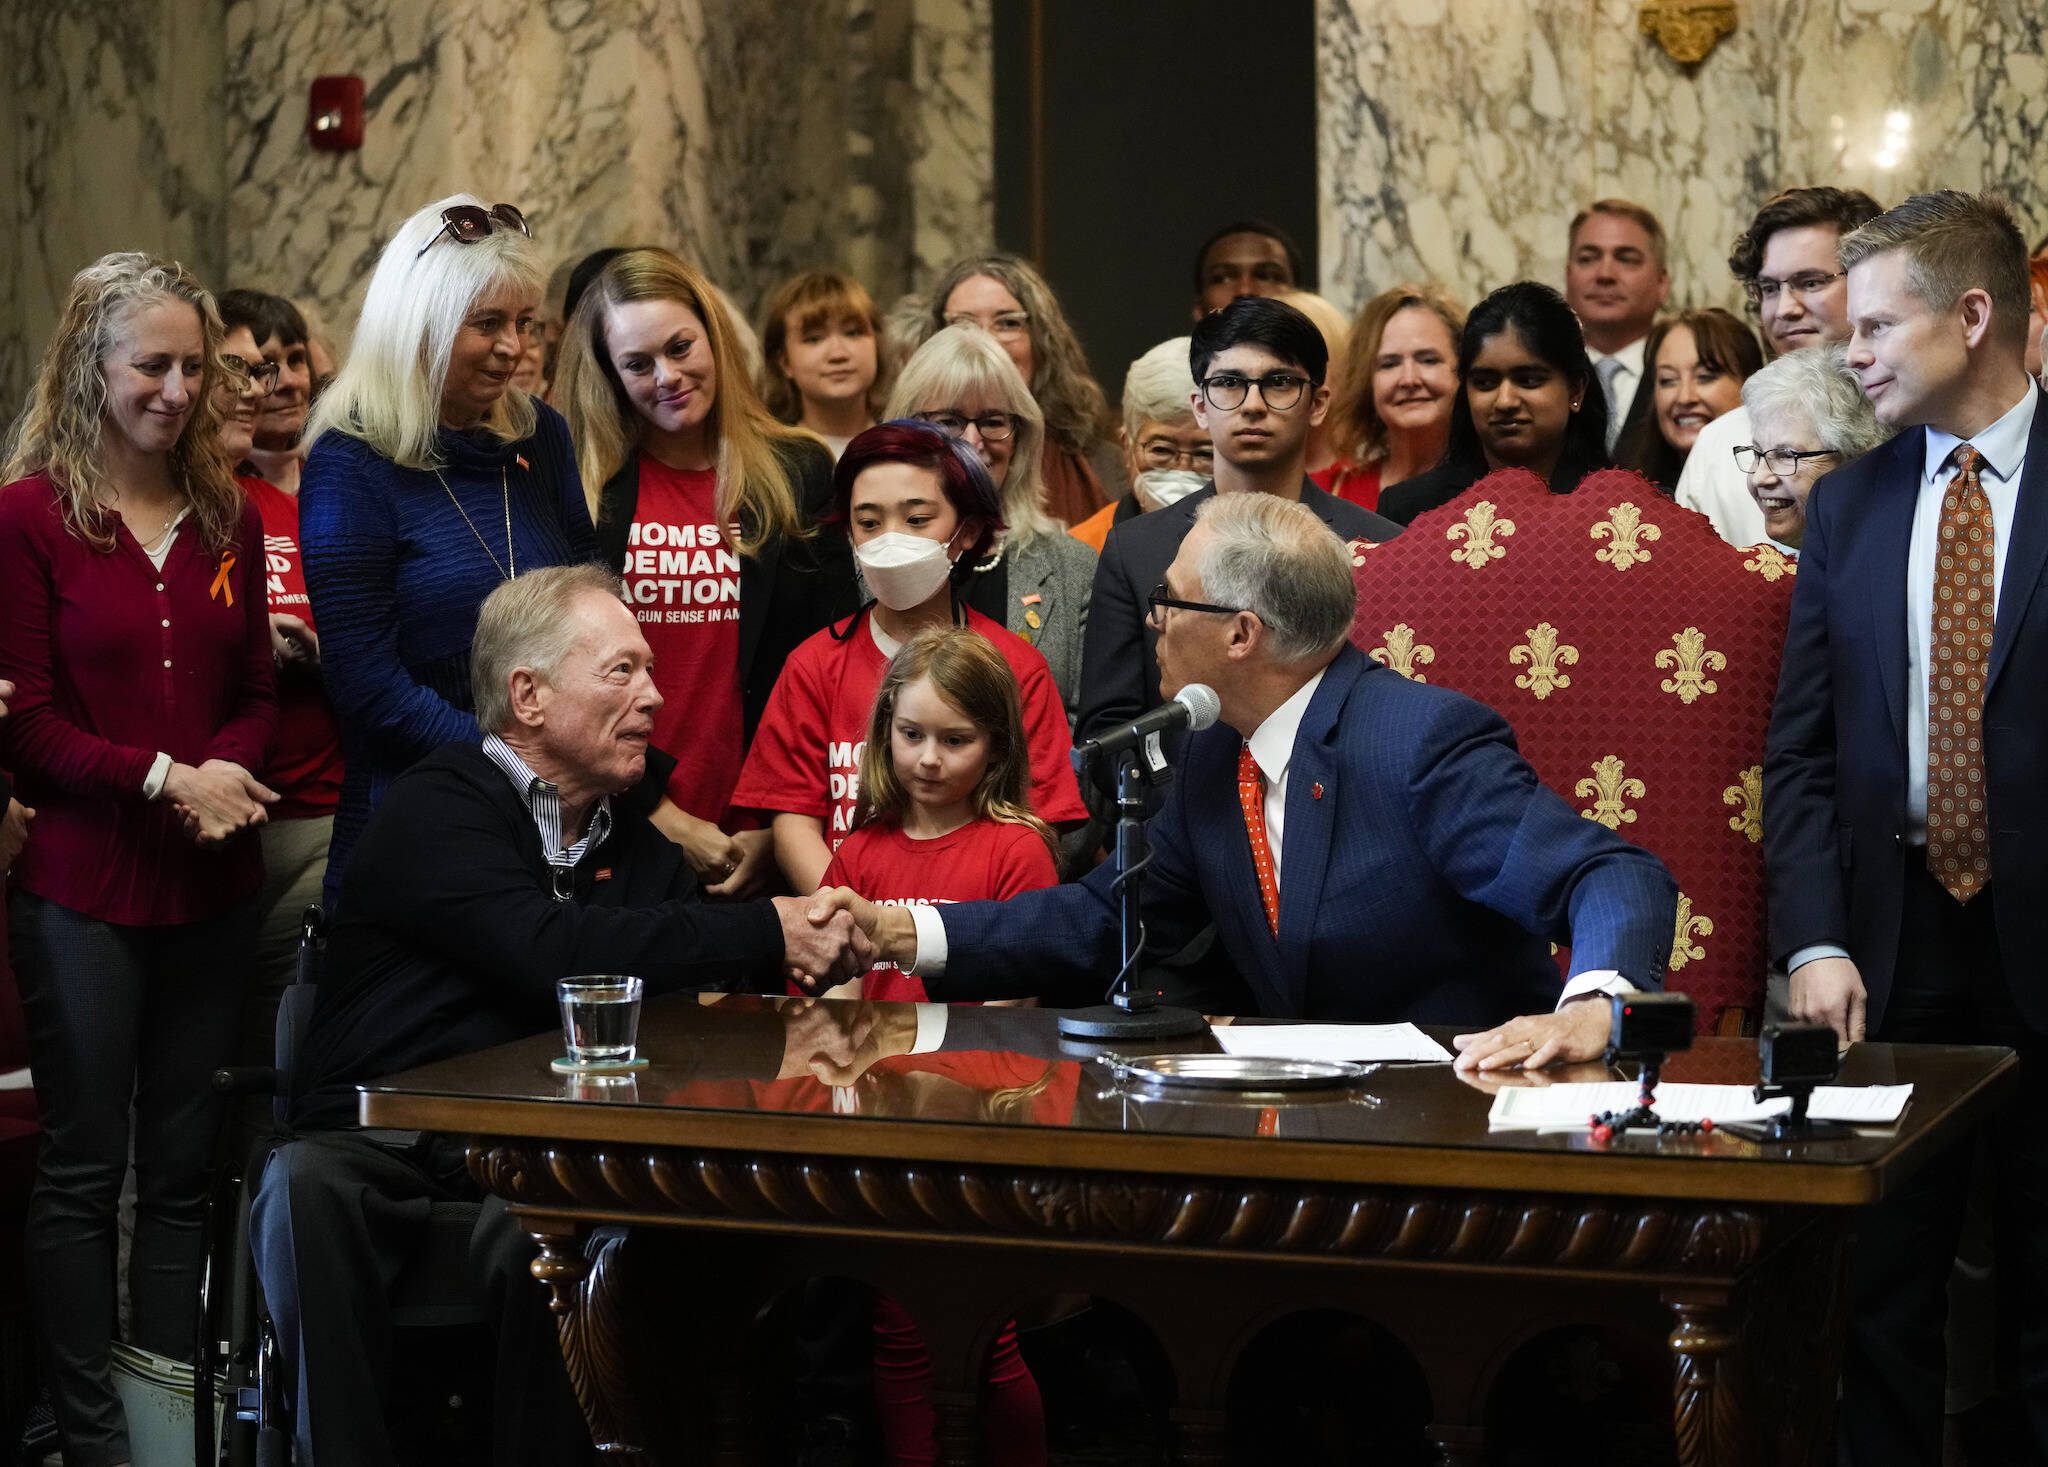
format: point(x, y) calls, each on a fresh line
point(220, 586)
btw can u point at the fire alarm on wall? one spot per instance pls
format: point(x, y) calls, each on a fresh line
point(334, 119)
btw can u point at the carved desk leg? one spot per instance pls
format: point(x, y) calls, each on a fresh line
point(1709, 1411)
point(585, 1297)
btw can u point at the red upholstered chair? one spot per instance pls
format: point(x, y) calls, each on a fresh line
point(1635, 653)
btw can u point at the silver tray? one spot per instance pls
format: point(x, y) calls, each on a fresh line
point(1235, 1072)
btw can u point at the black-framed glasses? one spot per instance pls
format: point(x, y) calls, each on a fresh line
point(993, 427)
point(261, 376)
point(468, 223)
point(1159, 598)
point(1784, 462)
point(1164, 453)
point(1806, 284)
point(1226, 391)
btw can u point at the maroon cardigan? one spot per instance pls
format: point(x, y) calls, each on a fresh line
point(113, 661)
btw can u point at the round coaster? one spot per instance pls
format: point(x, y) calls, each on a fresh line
point(566, 1066)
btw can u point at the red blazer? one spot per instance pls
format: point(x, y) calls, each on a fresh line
point(112, 661)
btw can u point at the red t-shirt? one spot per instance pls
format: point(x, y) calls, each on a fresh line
point(1347, 480)
point(683, 581)
point(806, 754)
point(306, 769)
point(984, 860)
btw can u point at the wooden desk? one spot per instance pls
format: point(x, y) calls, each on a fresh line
point(994, 1171)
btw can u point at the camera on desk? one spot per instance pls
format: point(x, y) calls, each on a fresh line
point(1790, 1056)
point(1648, 1026)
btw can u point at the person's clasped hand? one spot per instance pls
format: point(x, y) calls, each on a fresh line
point(13, 830)
point(1573, 1034)
point(813, 951)
point(217, 800)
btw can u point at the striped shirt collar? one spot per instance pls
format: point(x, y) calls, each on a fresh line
point(544, 804)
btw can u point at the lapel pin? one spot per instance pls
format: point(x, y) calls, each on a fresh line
point(1315, 791)
point(520, 459)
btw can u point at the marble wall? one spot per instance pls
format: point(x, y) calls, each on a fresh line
point(1458, 137)
point(759, 139)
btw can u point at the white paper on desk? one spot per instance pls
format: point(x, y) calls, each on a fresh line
point(1365, 1042)
point(1545, 1107)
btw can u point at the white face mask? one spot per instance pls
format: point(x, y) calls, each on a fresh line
point(1168, 486)
point(903, 570)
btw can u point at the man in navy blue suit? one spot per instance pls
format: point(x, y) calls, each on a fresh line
point(1369, 848)
point(1906, 774)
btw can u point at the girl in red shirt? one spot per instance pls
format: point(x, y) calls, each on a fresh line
point(134, 627)
point(944, 812)
point(921, 511)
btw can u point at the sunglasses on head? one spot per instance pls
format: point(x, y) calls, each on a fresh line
point(468, 223)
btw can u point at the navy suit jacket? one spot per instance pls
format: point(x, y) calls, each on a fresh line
point(1424, 869)
point(1835, 762)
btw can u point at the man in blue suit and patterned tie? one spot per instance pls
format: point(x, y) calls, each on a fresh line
point(1906, 777)
point(1369, 848)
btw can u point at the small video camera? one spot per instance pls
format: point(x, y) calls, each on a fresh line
point(1789, 1055)
point(1647, 1025)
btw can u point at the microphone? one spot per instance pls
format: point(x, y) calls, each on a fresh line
point(1195, 706)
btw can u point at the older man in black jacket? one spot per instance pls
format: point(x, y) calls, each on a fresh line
point(486, 875)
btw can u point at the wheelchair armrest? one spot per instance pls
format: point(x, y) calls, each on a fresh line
point(233, 1080)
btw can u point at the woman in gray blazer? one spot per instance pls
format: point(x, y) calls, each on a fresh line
point(1037, 582)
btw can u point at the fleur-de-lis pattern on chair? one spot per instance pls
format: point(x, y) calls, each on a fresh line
point(1635, 653)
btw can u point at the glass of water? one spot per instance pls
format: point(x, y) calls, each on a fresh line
point(600, 1019)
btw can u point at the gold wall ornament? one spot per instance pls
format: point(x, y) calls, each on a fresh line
point(1610, 788)
point(1690, 925)
point(1687, 29)
point(1478, 532)
point(1693, 662)
point(1630, 536)
point(1768, 561)
point(1545, 657)
point(1748, 793)
point(1403, 653)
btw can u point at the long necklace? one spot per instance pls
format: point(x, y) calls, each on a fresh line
point(505, 494)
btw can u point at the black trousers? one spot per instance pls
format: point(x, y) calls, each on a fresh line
point(120, 1019)
point(1949, 988)
point(336, 1218)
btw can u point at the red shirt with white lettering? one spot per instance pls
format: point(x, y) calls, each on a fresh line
point(806, 754)
point(984, 860)
point(306, 768)
point(683, 582)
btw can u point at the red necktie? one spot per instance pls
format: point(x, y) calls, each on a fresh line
point(1251, 796)
point(1958, 660)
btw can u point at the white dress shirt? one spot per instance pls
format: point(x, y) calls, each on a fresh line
point(2004, 446)
point(1712, 484)
point(1627, 378)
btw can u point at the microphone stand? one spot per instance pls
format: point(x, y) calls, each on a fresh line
point(1129, 1013)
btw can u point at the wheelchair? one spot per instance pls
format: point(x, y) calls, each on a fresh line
point(236, 1342)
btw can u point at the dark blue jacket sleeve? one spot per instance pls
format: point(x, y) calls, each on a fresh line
point(351, 556)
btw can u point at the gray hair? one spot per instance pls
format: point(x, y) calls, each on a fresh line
point(1159, 388)
point(1274, 558)
point(527, 623)
point(962, 362)
point(1816, 385)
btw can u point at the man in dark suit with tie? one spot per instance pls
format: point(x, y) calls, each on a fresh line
point(1369, 848)
point(1905, 789)
point(1615, 278)
point(1260, 426)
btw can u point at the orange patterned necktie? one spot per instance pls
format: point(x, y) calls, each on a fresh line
point(1251, 796)
point(1958, 659)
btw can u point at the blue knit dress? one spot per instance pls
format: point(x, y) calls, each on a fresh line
point(397, 578)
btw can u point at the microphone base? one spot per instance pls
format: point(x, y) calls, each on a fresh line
point(1107, 1021)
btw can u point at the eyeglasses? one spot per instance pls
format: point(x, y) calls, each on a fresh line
point(1007, 326)
point(1784, 462)
point(1226, 391)
point(1163, 453)
point(468, 223)
point(251, 376)
point(1159, 598)
point(1805, 285)
point(993, 427)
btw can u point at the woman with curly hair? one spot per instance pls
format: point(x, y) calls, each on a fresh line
point(1007, 298)
point(135, 629)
